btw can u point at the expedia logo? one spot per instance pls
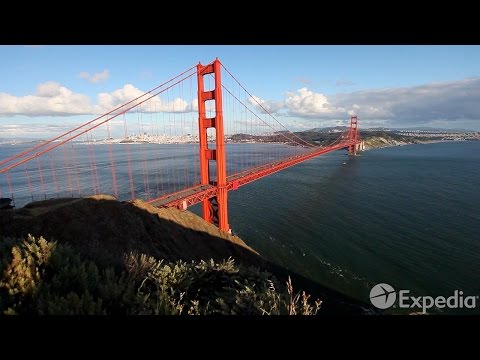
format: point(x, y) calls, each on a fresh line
point(384, 296)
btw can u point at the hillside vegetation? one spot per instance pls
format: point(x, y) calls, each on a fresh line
point(383, 139)
point(100, 256)
point(43, 277)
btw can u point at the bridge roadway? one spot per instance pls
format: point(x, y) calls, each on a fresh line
point(196, 194)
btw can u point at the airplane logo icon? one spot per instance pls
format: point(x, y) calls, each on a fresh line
point(383, 296)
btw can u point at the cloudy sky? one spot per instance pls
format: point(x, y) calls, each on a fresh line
point(46, 89)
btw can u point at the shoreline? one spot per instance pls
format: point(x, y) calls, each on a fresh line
point(401, 143)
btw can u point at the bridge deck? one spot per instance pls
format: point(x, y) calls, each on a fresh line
point(196, 194)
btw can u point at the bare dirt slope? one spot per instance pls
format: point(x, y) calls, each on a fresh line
point(102, 224)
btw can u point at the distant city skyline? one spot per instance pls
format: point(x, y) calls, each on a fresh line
point(45, 90)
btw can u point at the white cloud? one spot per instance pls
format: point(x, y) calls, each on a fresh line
point(450, 101)
point(109, 101)
point(194, 105)
point(49, 89)
point(54, 99)
point(428, 104)
point(51, 98)
point(95, 78)
point(266, 106)
point(301, 103)
point(306, 103)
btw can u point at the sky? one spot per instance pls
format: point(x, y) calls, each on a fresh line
point(44, 89)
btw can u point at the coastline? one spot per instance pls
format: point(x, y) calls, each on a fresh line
point(386, 143)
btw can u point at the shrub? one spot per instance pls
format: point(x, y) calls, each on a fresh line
point(42, 277)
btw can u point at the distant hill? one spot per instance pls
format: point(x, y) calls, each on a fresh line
point(328, 129)
point(426, 128)
point(380, 128)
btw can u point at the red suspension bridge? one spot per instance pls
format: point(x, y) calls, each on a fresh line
point(190, 140)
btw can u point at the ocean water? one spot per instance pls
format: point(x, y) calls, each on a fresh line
point(408, 216)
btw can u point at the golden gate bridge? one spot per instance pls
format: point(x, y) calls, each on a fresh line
point(198, 113)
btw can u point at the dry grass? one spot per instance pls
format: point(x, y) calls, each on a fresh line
point(42, 277)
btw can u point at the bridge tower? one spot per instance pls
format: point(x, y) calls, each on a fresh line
point(353, 135)
point(215, 209)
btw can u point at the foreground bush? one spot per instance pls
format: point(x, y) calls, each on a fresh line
point(42, 277)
